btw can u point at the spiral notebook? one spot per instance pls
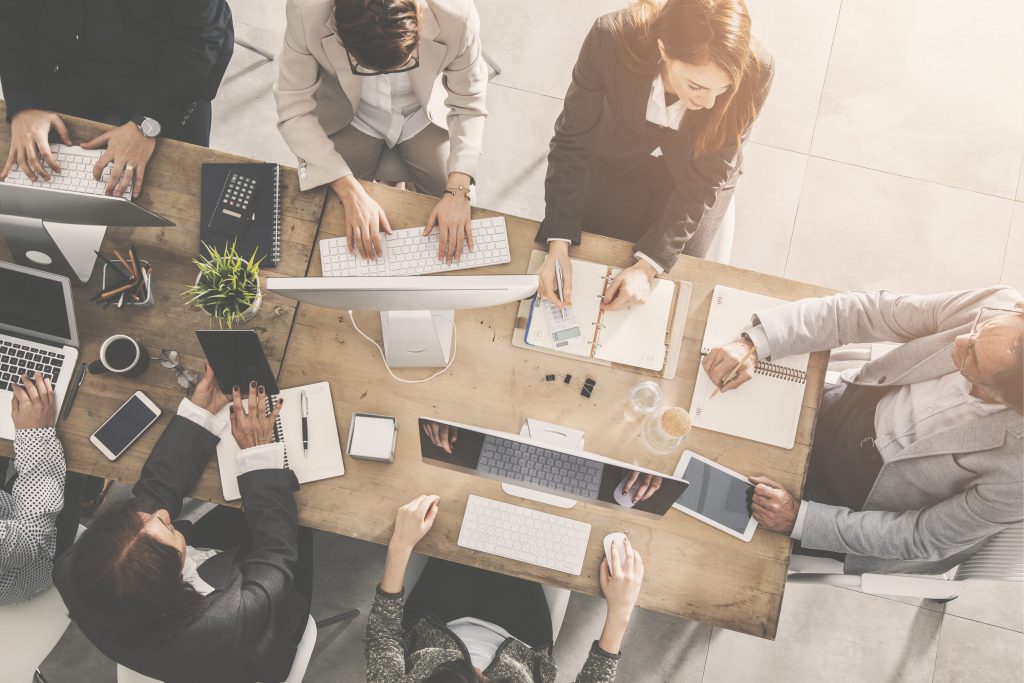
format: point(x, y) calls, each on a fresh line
point(264, 233)
point(633, 337)
point(324, 459)
point(766, 408)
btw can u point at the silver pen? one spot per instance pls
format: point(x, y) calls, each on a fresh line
point(558, 281)
point(304, 408)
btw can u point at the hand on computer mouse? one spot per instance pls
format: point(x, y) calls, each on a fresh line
point(646, 486)
point(622, 588)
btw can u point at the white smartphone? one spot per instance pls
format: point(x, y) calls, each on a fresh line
point(125, 426)
point(716, 495)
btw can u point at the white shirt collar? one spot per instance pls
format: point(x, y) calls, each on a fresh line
point(658, 112)
point(190, 571)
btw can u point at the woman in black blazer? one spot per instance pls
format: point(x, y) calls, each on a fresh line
point(648, 145)
point(161, 601)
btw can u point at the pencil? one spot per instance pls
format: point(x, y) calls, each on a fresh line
point(735, 371)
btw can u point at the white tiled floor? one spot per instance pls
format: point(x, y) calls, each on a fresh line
point(890, 154)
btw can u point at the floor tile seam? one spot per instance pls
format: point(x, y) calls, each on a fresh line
point(707, 655)
point(497, 84)
point(1009, 235)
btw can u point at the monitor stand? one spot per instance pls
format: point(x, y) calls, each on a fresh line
point(556, 436)
point(417, 339)
point(62, 248)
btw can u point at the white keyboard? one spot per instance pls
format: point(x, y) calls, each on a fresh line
point(407, 252)
point(523, 534)
point(75, 175)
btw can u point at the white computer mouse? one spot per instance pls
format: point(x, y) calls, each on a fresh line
point(625, 499)
point(619, 539)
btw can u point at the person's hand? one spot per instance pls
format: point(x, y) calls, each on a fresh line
point(649, 485)
point(557, 251)
point(412, 523)
point(630, 288)
point(720, 363)
point(364, 218)
point(129, 152)
point(255, 427)
point(451, 218)
point(441, 435)
point(773, 506)
point(207, 394)
point(34, 405)
point(622, 588)
point(30, 145)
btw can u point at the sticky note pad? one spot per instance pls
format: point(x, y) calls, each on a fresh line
point(372, 437)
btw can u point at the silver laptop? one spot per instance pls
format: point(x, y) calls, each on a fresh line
point(38, 332)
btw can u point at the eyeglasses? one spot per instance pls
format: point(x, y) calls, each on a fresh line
point(973, 337)
point(360, 70)
point(187, 379)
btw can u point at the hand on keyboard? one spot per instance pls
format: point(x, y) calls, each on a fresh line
point(30, 130)
point(129, 152)
point(364, 218)
point(34, 405)
point(451, 218)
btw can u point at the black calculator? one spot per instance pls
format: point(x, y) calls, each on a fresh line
point(236, 207)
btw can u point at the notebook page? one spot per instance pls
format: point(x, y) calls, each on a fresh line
point(765, 409)
point(324, 458)
point(637, 337)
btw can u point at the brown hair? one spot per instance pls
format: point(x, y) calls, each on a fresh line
point(378, 34)
point(698, 32)
point(131, 579)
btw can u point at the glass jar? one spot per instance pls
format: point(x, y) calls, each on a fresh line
point(644, 398)
point(666, 429)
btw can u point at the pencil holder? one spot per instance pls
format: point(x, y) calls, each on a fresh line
point(150, 298)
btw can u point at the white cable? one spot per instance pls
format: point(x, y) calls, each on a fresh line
point(455, 348)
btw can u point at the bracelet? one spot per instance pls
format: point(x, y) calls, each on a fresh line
point(454, 190)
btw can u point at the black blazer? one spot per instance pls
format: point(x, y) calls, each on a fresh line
point(604, 120)
point(253, 620)
point(92, 58)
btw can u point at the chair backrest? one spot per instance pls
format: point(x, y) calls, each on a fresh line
point(1000, 559)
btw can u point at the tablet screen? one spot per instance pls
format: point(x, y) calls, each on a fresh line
point(716, 495)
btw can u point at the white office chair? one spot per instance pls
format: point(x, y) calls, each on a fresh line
point(558, 598)
point(30, 630)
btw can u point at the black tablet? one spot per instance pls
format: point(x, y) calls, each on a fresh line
point(237, 357)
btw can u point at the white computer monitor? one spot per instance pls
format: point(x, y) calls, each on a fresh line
point(417, 313)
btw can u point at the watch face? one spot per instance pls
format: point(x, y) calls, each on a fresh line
point(150, 128)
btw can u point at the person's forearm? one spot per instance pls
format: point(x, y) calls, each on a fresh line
point(613, 632)
point(394, 570)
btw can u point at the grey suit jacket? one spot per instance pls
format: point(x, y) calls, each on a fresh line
point(604, 120)
point(941, 497)
point(317, 93)
point(251, 623)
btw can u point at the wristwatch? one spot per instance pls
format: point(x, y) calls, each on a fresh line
point(147, 126)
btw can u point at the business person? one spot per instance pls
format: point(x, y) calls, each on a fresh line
point(197, 606)
point(361, 75)
point(465, 625)
point(28, 514)
point(149, 67)
point(917, 459)
point(648, 146)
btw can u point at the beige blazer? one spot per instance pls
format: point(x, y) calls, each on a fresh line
point(317, 94)
point(937, 500)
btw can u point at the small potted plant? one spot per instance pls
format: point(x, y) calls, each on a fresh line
point(228, 285)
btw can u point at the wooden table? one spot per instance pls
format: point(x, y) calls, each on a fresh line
point(171, 189)
point(693, 570)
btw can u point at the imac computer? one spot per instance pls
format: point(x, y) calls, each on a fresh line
point(538, 471)
point(417, 313)
point(59, 230)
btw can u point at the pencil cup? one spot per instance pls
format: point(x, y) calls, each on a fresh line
point(148, 301)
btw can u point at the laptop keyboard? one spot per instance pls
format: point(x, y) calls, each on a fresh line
point(16, 359)
point(535, 465)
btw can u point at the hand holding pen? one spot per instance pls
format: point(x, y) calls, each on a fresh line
point(730, 365)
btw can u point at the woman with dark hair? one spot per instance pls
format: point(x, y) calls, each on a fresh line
point(467, 625)
point(159, 596)
point(649, 143)
point(359, 76)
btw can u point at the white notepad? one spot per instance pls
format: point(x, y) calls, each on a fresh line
point(766, 408)
point(635, 337)
point(324, 459)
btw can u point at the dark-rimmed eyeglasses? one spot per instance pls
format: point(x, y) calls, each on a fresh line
point(360, 70)
point(973, 337)
point(187, 379)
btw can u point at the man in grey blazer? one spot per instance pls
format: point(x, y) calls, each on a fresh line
point(917, 458)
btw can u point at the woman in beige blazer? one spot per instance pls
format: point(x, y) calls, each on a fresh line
point(359, 75)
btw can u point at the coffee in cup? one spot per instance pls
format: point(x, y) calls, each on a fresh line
point(121, 355)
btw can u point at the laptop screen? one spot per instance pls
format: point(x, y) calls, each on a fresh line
point(34, 305)
point(565, 474)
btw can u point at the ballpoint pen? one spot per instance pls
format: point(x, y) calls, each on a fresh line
point(304, 409)
point(70, 400)
point(558, 281)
